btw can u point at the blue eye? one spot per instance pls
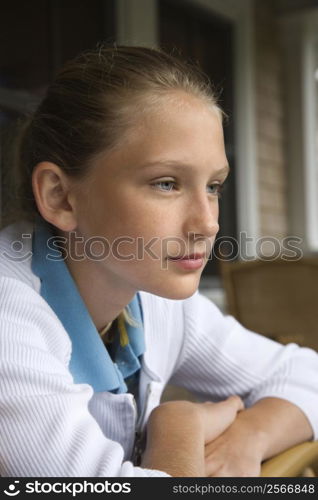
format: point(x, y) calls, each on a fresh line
point(168, 186)
point(165, 184)
point(216, 189)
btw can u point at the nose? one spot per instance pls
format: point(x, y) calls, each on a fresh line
point(202, 216)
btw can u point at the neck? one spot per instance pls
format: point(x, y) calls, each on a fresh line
point(102, 292)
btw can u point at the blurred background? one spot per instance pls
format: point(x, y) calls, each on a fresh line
point(261, 55)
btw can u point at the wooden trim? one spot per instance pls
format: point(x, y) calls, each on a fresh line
point(292, 462)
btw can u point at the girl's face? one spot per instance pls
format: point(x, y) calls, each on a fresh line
point(155, 199)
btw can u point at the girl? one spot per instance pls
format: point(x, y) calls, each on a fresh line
point(122, 167)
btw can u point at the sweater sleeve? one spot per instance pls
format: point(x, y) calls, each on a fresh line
point(46, 427)
point(220, 357)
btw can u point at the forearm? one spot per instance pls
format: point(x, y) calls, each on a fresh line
point(175, 443)
point(277, 424)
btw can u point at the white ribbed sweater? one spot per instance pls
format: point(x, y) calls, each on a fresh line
point(50, 426)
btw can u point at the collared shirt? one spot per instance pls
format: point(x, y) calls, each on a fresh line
point(90, 362)
point(47, 419)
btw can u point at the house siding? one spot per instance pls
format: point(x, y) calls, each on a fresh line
point(270, 129)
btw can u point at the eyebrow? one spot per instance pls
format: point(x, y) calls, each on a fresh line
point(181, 166)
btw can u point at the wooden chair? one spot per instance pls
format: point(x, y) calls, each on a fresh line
point(278, 299)
point(298, 461)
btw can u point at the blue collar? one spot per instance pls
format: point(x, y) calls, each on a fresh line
point(90, 361)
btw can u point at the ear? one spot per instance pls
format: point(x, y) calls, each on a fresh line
point(54, 196)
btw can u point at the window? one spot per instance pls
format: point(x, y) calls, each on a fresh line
point(310, 100)
point(300, 45)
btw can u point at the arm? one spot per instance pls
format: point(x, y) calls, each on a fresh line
point(282, 423)
point(177, 432)
point(267, 428)
point(220, 357)
point(47, 428)
point(175, 440)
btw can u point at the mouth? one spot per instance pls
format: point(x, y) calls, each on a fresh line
point(193, 256)
point(189, 263)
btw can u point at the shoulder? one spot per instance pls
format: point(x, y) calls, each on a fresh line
point(24, 315)
point(16, 253)
point(28, 322)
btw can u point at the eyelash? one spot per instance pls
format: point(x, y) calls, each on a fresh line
point(219, 187)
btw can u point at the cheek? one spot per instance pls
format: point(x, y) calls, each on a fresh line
point(147, 235)
point(140, 218)
point(126, 213)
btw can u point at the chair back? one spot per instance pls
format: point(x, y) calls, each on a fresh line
point(277, 298)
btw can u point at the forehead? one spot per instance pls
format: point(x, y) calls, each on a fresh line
point(177, 124)
point(172, 135)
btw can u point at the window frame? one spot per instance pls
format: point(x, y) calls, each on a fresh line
point(300, 50)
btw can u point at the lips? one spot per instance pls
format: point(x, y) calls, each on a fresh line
point(193, 256)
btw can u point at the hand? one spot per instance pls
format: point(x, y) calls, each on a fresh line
point(214, 417)
point(177, 432)
point(217, 417)
point(238, 452)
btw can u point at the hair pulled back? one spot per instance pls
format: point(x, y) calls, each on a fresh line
point(92, 103)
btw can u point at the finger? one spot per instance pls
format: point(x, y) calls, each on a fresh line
point(237, 402)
